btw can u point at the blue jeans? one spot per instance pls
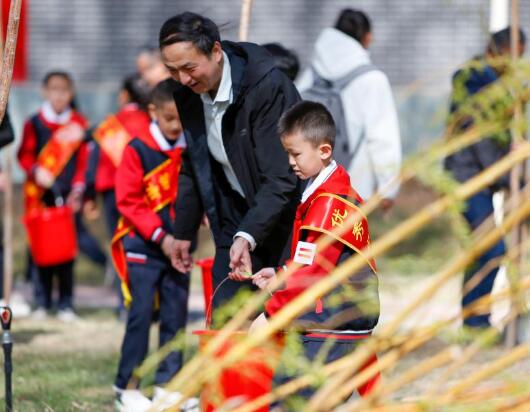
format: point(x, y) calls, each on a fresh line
point(479, 208)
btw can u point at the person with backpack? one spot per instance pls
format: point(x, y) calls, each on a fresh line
point(358, 95)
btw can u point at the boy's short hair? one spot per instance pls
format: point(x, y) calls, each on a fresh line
point(163, 92)
point(312, 120)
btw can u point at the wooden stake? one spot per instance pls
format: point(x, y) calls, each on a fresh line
point(9, 54)
point(490, 369)
point(246, 8)
point(517, 171)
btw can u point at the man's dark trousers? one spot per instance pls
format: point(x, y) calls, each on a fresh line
point(479, 208)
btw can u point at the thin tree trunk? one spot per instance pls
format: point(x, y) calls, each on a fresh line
point(9, 54)
point(246, 8)
point(515, 175)
point(8, 61)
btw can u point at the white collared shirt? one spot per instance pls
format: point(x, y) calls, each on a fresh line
point(214, 111)
point(52, 117)
point(319, 180)
point(162, 142)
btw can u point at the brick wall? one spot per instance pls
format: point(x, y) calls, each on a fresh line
point(414, 39)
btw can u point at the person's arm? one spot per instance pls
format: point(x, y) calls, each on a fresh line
point(381, 131)
point(92, 166)
point(7, 135)
point(130, 198)
point(278, 182)
point(27, 152)
point(188, 206)
point(305, 277)
point(78, 181)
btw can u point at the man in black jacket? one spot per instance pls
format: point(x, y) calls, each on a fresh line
point(235, 169)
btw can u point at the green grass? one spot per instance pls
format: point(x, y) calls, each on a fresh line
point(76, 382)
point(54, 369)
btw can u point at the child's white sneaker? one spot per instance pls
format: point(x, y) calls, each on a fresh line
point(131, 400)
point(39, 314)
point(67, 315)
point(164, 399)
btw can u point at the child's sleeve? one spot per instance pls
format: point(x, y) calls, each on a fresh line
point(91, 170)
point(305, 277)
point(130, 197)
point(27, 152)
point(78, 181)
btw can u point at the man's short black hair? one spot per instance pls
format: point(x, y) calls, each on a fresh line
point(190, 27)
point(354, 23)
point(284, 59)
point(312, 120)
point(163, 92)
point(501, 40)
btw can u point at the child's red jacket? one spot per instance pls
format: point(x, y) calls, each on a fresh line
point(352, 307)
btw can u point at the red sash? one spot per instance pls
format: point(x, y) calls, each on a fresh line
point(53, 157)
point(112, 137)
point(160, 189)
point(329, 213)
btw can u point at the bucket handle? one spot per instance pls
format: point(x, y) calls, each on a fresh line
point(209, 306)
point(57, 196)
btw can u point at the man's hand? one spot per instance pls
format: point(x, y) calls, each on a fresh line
point(179, 254)
point(43, 177)
point(262, 278)
point(240, 262)
point(259, 323)
point(167, 245)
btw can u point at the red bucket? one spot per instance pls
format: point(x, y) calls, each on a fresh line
point(207, 287)
point(52, 235)
point(245, 380)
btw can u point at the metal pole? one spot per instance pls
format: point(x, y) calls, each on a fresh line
point(7, 344)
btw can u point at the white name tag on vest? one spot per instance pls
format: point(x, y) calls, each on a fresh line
point(305, 253)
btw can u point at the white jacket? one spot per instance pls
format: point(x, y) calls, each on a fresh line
point(368, 108)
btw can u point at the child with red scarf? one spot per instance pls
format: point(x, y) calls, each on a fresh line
point(338, 320)
point(53, 154)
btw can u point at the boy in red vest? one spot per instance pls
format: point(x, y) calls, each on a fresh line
point(339, 319)
point(146, 188)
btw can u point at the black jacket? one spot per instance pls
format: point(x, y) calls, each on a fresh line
point(261, 94)
point(473, 159)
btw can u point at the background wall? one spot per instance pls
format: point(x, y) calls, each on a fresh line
point(418, 43)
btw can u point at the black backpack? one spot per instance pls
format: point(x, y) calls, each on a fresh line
point(328, 93)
